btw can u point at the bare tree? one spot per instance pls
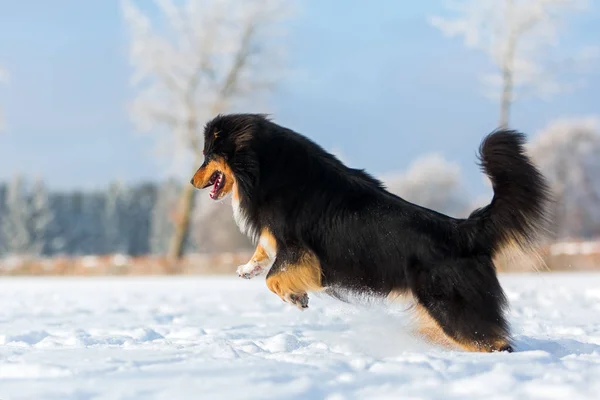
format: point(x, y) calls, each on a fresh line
point(433, 182)
point(568, 151)
point(517, 36)
point(201, 58)
point(16, 234)
point(41, 220)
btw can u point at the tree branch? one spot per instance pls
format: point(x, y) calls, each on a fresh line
point(230, 84)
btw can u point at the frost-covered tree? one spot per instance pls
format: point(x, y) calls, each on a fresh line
point(62, 204)
point(41, 221)
point(568, 153)
point(16, 234)
point(115, 224)
point(137, 212)
point(519, 37)
point(163, 216)
point(85, 223)
point(433, 182)
point(192, 61)
point(56, 234)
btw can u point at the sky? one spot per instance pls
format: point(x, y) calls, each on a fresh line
point(374, 81)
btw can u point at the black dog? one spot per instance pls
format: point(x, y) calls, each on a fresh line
point(320, 225)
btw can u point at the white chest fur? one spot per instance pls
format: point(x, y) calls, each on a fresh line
point(241, 219)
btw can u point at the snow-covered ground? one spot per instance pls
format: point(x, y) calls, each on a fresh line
point(227, 338)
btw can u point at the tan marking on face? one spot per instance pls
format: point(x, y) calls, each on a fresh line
point(202, 176)
point(297, 278)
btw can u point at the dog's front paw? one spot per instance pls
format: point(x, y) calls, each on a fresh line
point(300, 300)
point(249, 270)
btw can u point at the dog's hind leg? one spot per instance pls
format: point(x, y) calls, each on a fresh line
point(263, 258)
point(295, 273)
point(462, 304)
point(432, 330)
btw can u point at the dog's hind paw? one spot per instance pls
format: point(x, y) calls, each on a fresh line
point(299, 300)
point(249, 270)
point(507, 348)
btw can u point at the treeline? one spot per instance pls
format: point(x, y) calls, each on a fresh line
point(126, 219)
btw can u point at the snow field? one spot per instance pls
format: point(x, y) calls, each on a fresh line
point(228, 338)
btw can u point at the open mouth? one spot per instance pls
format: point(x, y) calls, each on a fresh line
point(217, 180)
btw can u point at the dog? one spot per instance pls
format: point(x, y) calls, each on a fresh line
point(320, 226)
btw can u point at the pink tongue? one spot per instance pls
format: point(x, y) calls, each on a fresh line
point(213, 192)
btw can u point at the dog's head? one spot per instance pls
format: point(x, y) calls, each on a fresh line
point(225, 139)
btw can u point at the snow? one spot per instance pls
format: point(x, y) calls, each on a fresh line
point(228, 338)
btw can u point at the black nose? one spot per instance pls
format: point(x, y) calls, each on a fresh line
point(192, 181)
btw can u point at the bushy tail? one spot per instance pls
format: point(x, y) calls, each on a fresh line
point(517, 215)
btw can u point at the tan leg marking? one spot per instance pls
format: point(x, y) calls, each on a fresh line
point(429, 328)
point(263, 257)
point(426, 326)
point(292, 282)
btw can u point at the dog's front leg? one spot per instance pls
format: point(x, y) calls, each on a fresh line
point(293, 276)
point(263, 258)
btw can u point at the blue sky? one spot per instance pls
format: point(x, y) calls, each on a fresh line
point(377, 83)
